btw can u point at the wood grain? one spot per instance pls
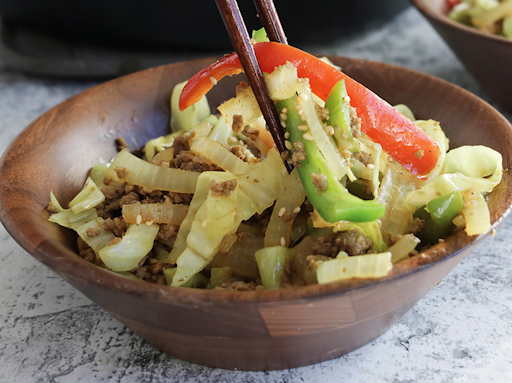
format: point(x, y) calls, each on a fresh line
point(245, 330)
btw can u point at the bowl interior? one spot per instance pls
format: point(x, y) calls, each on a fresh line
point(56, 151)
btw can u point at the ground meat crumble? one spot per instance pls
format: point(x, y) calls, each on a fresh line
point(353, 242)
point(224, 188)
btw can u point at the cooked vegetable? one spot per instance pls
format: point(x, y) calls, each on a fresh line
point(489, 16)
point(271, 262)
point(126, 254)
point(339, 116)
point(361, 266)
point(220, 275)
point(71, 220)
point(287, 206)
point(328, 196)
point(403, 247)
point(197, 281)
point(171, 214)
point(220, 215)
point(438, 216)
point(404, 109)
point(101, 237)
point(89, 197)
point(128, 168)
point(219, 155)
point(399, 137)
point(345, 211)
point(191, 116)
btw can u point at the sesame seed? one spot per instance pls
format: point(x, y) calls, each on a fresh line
point(283, 124)
point(232, 139)
point(346, 99)
point(296, 210)
point(283, 116)
point(204, 223)
point(329, 130)
point(493, 232)
point(303, 128)
point(149, 223)
point(281, 212)
point(370, 166)
point(287, 135)
point(308, 137)
point(288, 145)
point(285, 110)
point(213, 80)
point(283, 242)
point(138, 219)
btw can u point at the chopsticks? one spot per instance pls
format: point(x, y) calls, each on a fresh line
point(241, 40)
point(270, 20)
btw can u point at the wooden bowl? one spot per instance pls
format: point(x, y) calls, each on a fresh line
point(487, 57)
point(259, 330)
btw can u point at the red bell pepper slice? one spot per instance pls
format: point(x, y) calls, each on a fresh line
point(398, 136)
point(453, 3)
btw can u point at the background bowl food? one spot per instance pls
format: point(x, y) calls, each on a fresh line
point(488, 57)
point(245, 330)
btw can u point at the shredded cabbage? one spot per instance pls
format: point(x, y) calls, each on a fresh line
point(171, 214)
point(359, 266)
point(190, 117)
point(142, 173)
point(88, 198)
point(281, 221)
point(99, 241)
point(126, 254)
point(219, 155)
point(271, 261)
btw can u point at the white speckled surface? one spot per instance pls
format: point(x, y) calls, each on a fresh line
point(460, 332)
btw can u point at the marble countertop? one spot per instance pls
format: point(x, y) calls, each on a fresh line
point(459, 332)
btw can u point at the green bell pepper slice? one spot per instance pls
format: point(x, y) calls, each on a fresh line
point(333, 202)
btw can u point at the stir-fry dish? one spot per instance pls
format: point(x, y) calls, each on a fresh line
point(211, 205)
point(489, 16)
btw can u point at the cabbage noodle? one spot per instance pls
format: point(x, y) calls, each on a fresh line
point(171, 214)
point(89, 197)
point(159, 144)
point(280, 225)
point(434, 131)
point(360, 266)
point(396, 185)
point(218, 216)
point(468, 169)
point(81, 207)
point(126, 254)
point(71, 220)
point(403, 247)
point(141, 173)
point(219, 155)
point(190, 117)
point(99, 241)
point(271, 261)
